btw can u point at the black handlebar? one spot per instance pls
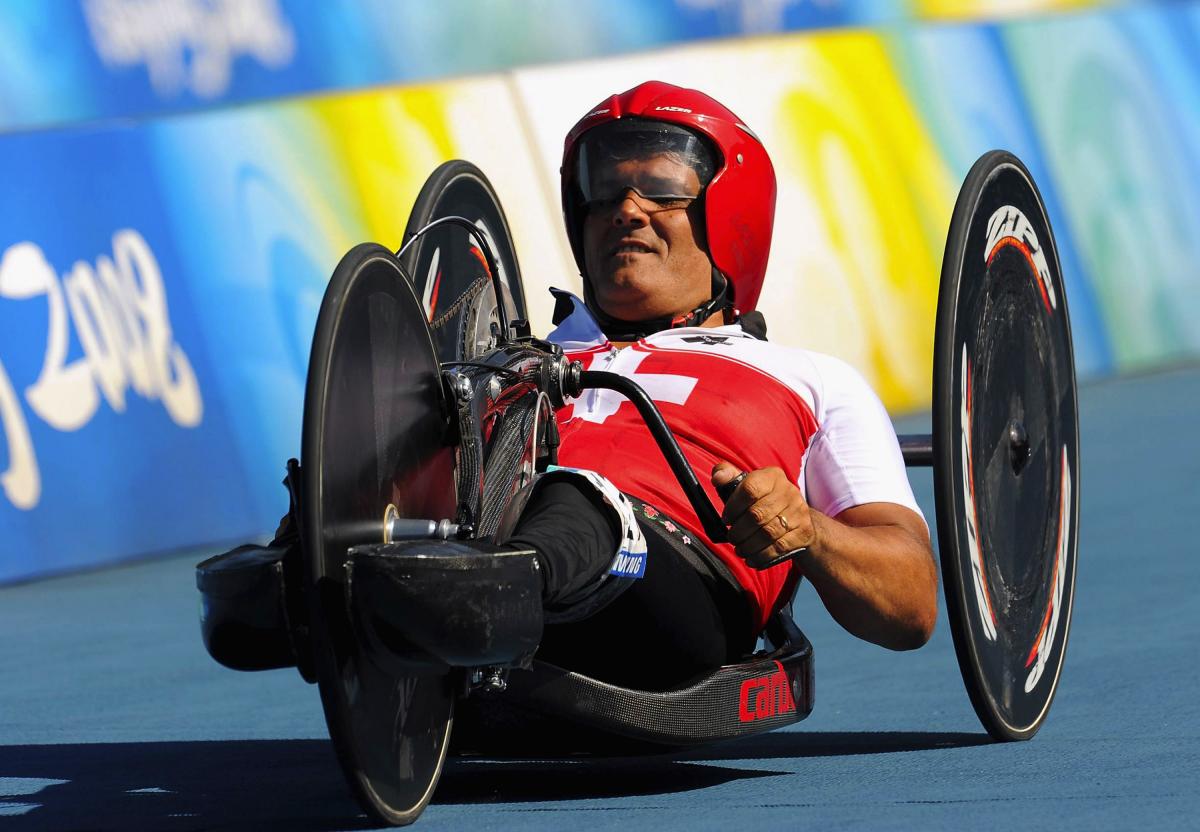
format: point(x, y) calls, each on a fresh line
point(710, 518)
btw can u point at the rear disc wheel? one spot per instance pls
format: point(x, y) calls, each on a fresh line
point(1006, 466)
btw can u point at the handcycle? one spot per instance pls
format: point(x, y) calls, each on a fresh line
point(424, 420)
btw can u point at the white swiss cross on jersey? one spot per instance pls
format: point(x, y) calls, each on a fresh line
point(598, 405)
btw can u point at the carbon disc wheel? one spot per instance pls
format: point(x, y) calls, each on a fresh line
point(1006, 465)
point(374, 436)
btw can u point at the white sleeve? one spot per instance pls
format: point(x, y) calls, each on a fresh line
point(854, 458)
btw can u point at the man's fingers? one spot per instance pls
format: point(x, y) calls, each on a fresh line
point(772, 537)
point(761, 511)
point(755, 486)
point(726, 489)
point(724, 472)
point(761, 517)
point(767, 516)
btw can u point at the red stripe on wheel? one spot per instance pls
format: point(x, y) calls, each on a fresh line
point(437, 284)
point(1024, 249)
point(482, 260)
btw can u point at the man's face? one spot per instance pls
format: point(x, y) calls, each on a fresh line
point(644, 261)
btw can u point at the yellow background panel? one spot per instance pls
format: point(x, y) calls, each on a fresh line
point(390, 140)
point(987, 9)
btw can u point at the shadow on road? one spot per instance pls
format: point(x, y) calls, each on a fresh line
point(277, 784)
point(296, 784)
point(785, 744)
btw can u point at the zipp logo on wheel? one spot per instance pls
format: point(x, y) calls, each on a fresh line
point(1008, 226)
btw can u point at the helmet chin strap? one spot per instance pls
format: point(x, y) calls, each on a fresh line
point(616, 329)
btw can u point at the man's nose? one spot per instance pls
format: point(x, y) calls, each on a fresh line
point(628, 210)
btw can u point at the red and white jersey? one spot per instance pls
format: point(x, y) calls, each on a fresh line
point(728, 396)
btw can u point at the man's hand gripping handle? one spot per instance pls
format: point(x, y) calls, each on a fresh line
point(768, 518)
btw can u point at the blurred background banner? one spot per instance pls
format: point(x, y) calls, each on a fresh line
point(71, 60)
point(160, 275)
point(115, 442)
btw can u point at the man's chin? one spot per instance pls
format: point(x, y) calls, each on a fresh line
point(632, 297)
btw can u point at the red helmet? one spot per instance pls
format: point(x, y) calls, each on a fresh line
point(739, 201)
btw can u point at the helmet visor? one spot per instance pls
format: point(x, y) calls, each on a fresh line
point(660, 162)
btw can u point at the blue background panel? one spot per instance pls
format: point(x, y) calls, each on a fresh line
point(131, 444)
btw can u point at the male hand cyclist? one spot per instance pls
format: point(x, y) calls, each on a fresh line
point(669, 205)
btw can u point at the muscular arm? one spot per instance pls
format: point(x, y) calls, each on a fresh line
point(872, 565)
point(873, 568)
